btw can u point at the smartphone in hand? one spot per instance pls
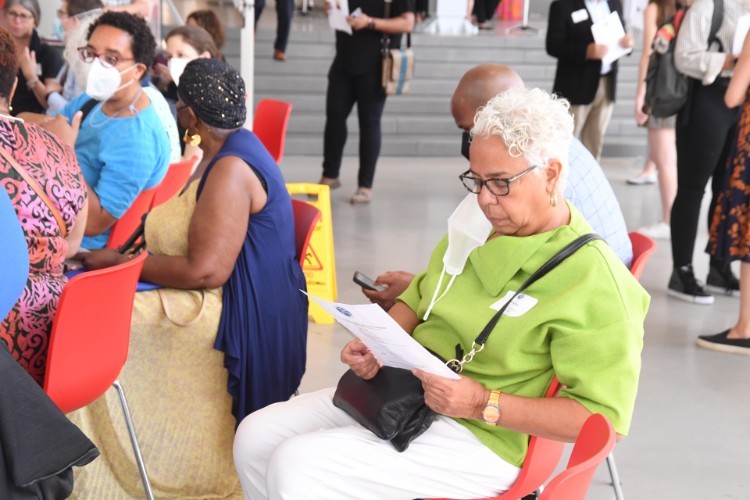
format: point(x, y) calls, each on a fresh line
point(367, 282)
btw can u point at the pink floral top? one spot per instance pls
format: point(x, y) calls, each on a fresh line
point(54, 166)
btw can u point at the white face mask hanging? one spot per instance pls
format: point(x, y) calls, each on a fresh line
point(468, 229)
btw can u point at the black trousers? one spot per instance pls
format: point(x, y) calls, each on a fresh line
point(704, 140)
point(284, 10)
point(343, 91)
point(484, 10)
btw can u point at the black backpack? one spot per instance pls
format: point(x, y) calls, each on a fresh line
point(667, 89)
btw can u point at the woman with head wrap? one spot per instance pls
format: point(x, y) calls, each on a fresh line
point(226, 334)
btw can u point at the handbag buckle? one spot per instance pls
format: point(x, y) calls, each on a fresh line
point(457, 366)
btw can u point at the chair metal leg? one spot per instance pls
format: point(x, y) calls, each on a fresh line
point(134, 440)
point(615, 476)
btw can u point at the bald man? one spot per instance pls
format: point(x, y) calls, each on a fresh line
point(586, 186)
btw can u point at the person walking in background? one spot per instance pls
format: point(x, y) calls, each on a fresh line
point(355, 77)
point(729, 234)
point(581, 77)
point(705, 130)
point(284, 9)
point(662, 151)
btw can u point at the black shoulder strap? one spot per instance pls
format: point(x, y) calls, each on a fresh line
point(716, 18)
point(548, 266)
point(87, 107)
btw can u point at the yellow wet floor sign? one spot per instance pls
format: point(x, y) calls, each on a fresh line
point(319, 266)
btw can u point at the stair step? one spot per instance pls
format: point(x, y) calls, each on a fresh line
point(418, 123)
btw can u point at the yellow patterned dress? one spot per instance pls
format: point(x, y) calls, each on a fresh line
point(176, 386)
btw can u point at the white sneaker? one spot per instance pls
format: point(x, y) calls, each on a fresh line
point(642, 180)
point(658, 231)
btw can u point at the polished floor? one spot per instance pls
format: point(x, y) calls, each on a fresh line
point(690, 436)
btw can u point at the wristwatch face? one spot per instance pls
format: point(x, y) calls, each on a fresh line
point(491, 414)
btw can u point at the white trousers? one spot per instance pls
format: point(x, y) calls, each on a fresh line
point(306, 448)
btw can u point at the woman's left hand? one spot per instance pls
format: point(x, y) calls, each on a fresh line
point(359, 22)
point(27, 64)
point(463, 398)
point(99, 259)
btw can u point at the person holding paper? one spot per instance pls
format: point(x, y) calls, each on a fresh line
point(584, 75)
point(356, 77)
point(583, 323)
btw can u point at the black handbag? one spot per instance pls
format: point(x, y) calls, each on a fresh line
point(391, 404)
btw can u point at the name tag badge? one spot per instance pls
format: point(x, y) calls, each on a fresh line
point(579, 15)
point(520, 305)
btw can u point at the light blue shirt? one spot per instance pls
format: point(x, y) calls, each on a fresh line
point(119, 157)
point(589, 191)
point(599, 10)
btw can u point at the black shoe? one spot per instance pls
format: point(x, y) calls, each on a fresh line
point(722, 280)
point(684, 286)
point(720, 342)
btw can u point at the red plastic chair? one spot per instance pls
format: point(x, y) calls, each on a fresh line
point(643, 248)
point(270, 123)
point(177, 175)
point(593, 444)
point(89, 342)
point(540, 463)
point(306, 217)
point(131, 219)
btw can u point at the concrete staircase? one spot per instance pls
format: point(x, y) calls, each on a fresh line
point(417, 124)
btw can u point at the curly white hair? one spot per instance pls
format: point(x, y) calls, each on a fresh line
point(531, 123)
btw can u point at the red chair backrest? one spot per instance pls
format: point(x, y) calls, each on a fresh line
point(131, 219)
point(90, 334)
point(593, 444)
point(643, 247)
point(541, 460)
point(177, 175)
point(306, 217)
point(270, 123)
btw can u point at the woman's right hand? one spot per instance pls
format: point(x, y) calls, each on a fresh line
point(640, 116)
point(360, 359)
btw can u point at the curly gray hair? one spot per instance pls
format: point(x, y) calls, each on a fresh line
point(531, 123)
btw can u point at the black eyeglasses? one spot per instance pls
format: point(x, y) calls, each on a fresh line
point(497, 185)
point(19, 15)
point(87, 55)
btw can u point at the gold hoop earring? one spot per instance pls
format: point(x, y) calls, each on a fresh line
point(553, 200)
point(193, 140)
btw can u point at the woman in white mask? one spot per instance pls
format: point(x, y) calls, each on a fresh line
point(183, 44)
point(581, 322)
point(121, 144)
